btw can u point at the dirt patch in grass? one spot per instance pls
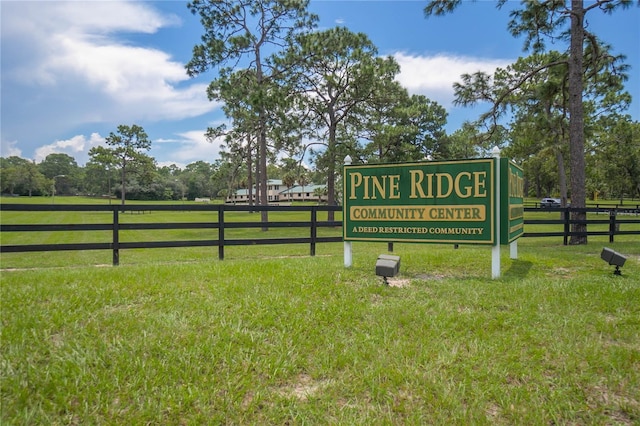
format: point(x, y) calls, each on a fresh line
point(562, 272)
point(303, 387)
point(398, 282)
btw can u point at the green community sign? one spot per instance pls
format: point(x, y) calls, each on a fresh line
point(511, 201)
point(462, 202)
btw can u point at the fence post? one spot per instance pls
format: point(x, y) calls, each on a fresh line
point(221, 232)
point(567, 224)
point(116, 237)
point(612, 224)
point(314, 229)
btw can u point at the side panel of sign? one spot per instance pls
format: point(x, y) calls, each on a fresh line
point(438, 202)
point(512, 212)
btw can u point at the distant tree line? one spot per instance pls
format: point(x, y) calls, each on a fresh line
point(144, 181)
point(613, 167)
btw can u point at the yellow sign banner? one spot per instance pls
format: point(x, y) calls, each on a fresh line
point(467, 213)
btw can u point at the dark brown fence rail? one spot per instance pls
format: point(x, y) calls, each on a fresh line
point(599, 206)
point(613, 217)
point(115, 227)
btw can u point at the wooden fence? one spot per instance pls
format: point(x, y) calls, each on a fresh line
point(116, 226)
point(613, 218)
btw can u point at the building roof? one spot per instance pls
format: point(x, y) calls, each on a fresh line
point(298, 189)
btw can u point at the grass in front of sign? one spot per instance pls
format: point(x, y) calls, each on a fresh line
point(303, 340)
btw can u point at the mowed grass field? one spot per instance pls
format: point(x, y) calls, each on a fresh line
point(271, 335)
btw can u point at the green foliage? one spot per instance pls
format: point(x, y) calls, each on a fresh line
point(586, 58)
point(22, 177)
point(617, 158)
point(58, 164)
point(128, 143)
point(126, 153)
point(62, 165)
point(335, 75)
point(402, 128)
point(241, 34)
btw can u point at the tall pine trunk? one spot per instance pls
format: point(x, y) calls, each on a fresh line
point(262, 167)
point(562, 177)
point(123, 176)
point(331, 170)
point(250, 169)
point(262, 143)
point(576, 122)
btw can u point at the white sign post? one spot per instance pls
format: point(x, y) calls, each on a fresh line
point(495, 251)
point(348, 257)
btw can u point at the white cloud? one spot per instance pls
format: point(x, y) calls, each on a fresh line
point(100, 17)
point(138, 80)
point(76, 147)
point(9, 149)
point(72, 64)
point(189, 147)
point(50, 32)
point(433, 76)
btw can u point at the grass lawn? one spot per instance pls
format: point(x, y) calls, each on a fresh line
point(273, 336)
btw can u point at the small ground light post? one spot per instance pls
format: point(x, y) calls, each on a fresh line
point(387, 266)
point(613, 258)
point(53, 188)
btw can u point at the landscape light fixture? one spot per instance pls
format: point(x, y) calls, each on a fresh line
point(53, 188)
point(613, 258)
point(387, 266)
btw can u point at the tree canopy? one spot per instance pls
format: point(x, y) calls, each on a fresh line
point(126, 151)
point(541, 22)
point(239, 35)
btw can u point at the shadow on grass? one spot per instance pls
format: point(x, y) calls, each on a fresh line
point(518, 269)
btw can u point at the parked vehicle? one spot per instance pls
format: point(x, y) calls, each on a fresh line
point(548, 203)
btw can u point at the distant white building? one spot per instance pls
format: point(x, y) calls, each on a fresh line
point(277, 192)
point(305, 193)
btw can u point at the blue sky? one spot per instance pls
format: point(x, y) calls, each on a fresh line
point(73, 71)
